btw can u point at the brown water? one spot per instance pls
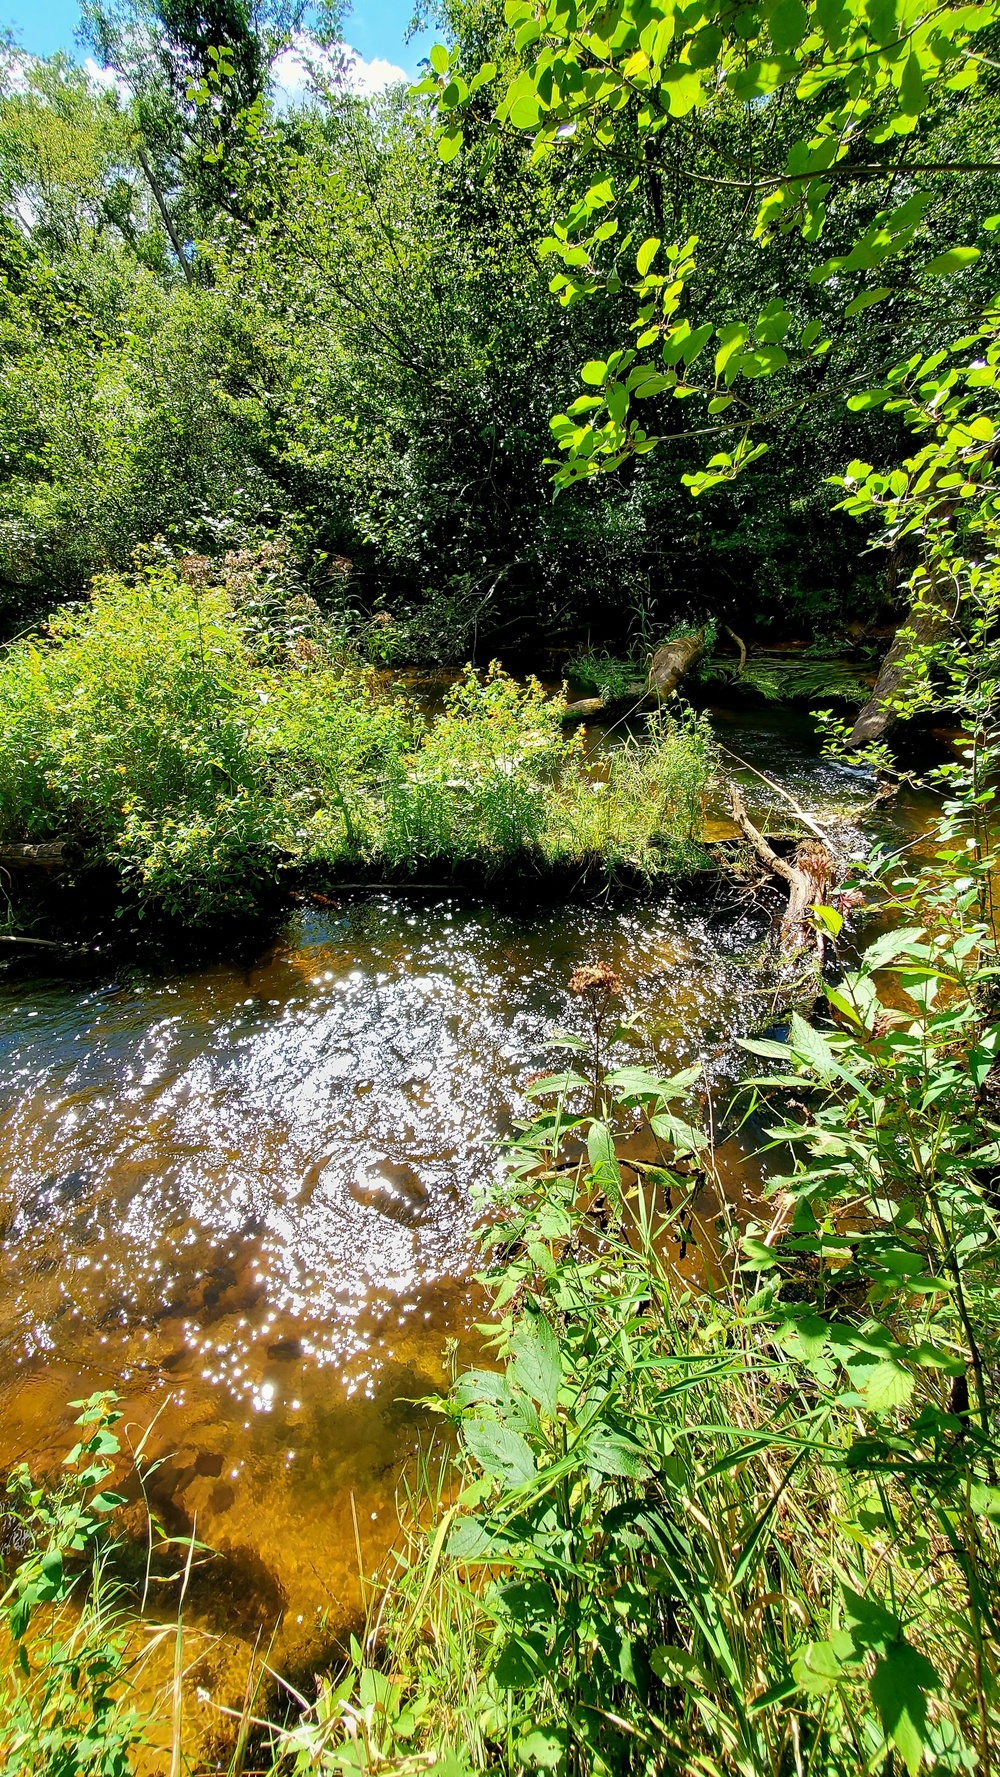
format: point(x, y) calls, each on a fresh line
point(243, 1195)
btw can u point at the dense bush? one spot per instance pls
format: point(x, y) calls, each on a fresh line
point(199, 730)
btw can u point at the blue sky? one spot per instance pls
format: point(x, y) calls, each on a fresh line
point(375, 28)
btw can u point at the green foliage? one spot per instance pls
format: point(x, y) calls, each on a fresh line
point(130, 728)
point(609, 677)
point(64, 1692)
point(199, 731)
point(813, 104)
point(749, 1527)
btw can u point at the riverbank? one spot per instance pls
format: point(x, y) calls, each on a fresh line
point(204, 761)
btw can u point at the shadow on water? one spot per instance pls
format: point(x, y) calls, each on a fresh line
point(243, 1194)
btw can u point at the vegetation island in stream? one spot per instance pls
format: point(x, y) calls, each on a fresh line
point(499, 1008)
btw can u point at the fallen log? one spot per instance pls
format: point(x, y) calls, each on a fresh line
point(583, 709)
point(673, 662)
point(50, 854)
point(925, 625)
point(40, 943)
point(670, 664)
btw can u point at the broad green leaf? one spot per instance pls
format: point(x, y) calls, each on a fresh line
point(733, 337)
point(449, 143)
point(956, 259)
point(681, 1135)
point(499, 1450)
point(912, 97)
point(468, 1539)
point(535, 1367)
point(603, 1159)
point(646, 254)
point(609, 1454)
point(899, 1687)
point(517, 1665)
point(544, 1748)
point(891, 945)
point(817, 1667)
point(866, 301)
point(554, 1083)
point(810, 1044)
point(888, 1386)
point(787, 24)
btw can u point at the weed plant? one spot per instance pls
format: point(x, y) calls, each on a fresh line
point(751, 1527)
point(66, 1675)
point(205, 738)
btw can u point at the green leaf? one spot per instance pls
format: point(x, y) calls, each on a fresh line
point(956, 259)
point(106, 1501)
point(646, 254)
point(676, 1666)
point(594, 372)
point(439, 58)
point(682, 89)
point(888, 1385)
point(817, 1667)
point(517, 1665)
point(448, 144)
point(899, 1685)
point(499, 1450)
point(603, 1159)
point(829, 919)
point(866, 301)
point(811, 1046)
point(681, 1135)
point(733, 337)
point(554, 1083)
point(912, 97)
point(610, 1454)
point(468, 1539)
point(886, 949)
point(535, 1364)
point(544, 1748)
point(52, 1567)
point(787, 24)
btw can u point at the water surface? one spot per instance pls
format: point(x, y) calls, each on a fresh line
point(243, 1194)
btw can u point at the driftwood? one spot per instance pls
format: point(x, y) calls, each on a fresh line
point(741, 645)
point(670, 664)
point(809, 876)
point(583, 709)
point(673, 662)
point(49, 855)
point(41, 943)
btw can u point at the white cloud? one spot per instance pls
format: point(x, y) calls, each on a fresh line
point(105, 76)
point(291, 72)
point(374, 76)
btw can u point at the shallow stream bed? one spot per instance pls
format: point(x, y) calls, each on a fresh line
point(243, 1195)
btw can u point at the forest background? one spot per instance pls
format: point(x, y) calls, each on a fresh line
point(226, 323)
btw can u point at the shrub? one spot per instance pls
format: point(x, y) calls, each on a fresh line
point(130, 727)
point(200, 737)
point(481, 783)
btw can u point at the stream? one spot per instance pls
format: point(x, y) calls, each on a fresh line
point(242, 1195)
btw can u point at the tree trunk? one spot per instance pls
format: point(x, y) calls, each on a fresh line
point(673, 662)
point(924, 625)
